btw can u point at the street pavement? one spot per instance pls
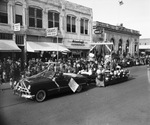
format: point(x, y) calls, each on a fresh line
point(127, 103)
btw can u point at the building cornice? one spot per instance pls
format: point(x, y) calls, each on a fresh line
point(113, 28)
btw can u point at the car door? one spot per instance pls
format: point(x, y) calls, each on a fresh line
point(63, 81)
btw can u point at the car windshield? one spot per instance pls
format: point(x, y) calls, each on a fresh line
point(49, 73)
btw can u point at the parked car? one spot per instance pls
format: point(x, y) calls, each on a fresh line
point(46, 83)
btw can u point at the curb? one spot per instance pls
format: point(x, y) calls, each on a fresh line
point(5, 86)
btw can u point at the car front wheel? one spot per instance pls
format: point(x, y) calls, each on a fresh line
point(40, 96)
point(79, 89)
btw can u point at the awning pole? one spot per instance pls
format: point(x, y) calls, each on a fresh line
point(57, 48)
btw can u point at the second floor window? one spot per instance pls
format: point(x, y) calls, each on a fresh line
point(71, 24)
point(84, 26)
point(18, 13)
point(35, 17)
point(3, 12)
point(53, 19)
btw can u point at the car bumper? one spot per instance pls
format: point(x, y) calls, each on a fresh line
point(23, 94)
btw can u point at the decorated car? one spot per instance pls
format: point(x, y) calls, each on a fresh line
point(117, 76)
point(107, 77)
point(46, 83)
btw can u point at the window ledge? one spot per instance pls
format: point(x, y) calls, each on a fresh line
point(5, 24)
point(84, 34)
point(71, 33)
point(35, 28)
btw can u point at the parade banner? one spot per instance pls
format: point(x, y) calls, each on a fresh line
point(73, 85)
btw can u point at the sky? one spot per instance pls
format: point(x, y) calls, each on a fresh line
point(133, 14)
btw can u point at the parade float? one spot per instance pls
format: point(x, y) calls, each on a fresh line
point(104, 76)
point(108, 71)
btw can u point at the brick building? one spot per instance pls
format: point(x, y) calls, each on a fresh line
point(74, 24)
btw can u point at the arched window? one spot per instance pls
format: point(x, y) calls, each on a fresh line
point(84, 26)
point(112, 41)
point(53, 19)
point(3, 12)
point(127, 46)
point(71, 23)
point(35, 17)
point(18, 13)
point(120, 46)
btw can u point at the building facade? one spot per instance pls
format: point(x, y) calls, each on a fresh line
point(74, 23)
point(125, 41)
point(144, 46)
point(144, 41)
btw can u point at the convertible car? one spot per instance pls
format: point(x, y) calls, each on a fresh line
point(46, 83)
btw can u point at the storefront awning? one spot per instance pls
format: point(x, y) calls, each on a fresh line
point(45, 46)
point(102, 43)
point(78, 47)
point(144, 47)
point(9, 46)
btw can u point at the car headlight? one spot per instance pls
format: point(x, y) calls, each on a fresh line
point(106, 78)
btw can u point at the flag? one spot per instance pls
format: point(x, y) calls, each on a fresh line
point(121, 3)
point(73, 85)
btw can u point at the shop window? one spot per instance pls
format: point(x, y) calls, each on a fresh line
point(32, 38)
point(53, 19)
point(71, 24)
point(6, 36)
point(127, 46)
point(84, 26)
point(120, 46)
point(35, 17)
point(3, 12)
point(135, 48)
point(55, 40)
point(68, 24)
point(19, 39)
point(18, 14)
point(112, 46)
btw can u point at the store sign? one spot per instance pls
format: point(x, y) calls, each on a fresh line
point(98, 31)
point(73, 85)
point(17, 27)
point(78, 43)
point(52, 31)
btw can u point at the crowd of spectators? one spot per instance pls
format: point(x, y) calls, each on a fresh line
point(9, 69)
point(12, 69)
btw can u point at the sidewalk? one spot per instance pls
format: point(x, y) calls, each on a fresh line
point(4, 86)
